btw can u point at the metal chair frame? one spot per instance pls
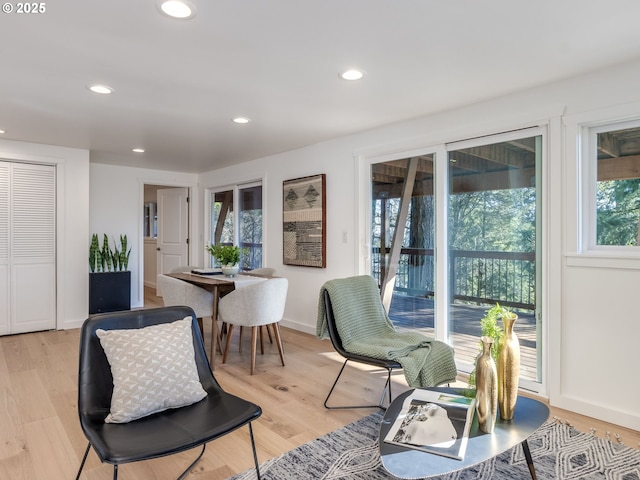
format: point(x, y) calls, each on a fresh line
point(389, 365)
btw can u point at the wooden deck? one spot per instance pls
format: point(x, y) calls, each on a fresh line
point(417, 313)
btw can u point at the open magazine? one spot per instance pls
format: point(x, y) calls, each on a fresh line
point(434, 422)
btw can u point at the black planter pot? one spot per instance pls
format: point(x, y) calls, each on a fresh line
point(109, 291)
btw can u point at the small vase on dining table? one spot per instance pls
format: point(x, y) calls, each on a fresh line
point(230, 270)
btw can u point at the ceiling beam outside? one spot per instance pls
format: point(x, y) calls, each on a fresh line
point(500, 154)
point(463, 183)
point(608, 145)
point(621, 168)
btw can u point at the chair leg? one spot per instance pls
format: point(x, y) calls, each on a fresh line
point(269, 333)
point(84, 459)
point(219, 337)
point(255, 455)
point(226, 345)
point(387, 386)
point(184, 474)
point(261, 341)
point(254, 341)
point(276, 334)
point(239, 339)
point(380, 405)
point(200, 325)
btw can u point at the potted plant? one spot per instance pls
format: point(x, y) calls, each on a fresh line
point(109, 277)
point(227, 256)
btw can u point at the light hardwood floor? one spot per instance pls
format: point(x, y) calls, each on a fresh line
point(40, 437)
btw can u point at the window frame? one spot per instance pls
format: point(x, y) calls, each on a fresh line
point(573, 180)
point(236, 188)
point(589, 164)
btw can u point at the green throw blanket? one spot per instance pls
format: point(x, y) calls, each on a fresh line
point(365, 329)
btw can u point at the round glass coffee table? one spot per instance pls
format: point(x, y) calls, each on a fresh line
point(404, 462)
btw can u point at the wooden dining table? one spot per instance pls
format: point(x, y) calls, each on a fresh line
point(219, 286)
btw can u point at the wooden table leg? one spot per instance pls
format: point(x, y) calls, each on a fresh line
point(214, 327)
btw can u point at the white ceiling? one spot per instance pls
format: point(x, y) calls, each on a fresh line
point(178, 83)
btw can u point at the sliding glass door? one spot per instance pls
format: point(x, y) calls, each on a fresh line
point(485, 219)
point(493, 242)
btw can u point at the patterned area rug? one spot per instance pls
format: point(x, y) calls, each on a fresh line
point(559, 452)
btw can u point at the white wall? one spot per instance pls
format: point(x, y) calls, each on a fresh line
point(589, 311)
point(116, 200)
point(337, 162)
point(72, 212)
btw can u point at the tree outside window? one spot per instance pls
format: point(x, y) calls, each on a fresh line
point(617, 194)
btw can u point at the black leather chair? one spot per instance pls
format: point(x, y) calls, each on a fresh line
point(165, 433)
point(389, 365)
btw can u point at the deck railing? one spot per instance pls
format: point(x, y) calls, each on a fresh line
point(482, 277)
point(251, 255)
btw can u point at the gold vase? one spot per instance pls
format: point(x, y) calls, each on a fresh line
point(508, 369)
point(486, 387)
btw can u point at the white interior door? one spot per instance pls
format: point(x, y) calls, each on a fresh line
point(27, 248)
point(173, 229)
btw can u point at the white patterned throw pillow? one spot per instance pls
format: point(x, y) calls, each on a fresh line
point(153, 369)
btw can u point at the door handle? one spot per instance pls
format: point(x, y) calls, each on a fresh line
point(158, 249)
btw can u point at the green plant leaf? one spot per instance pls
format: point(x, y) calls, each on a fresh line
point(225, 254)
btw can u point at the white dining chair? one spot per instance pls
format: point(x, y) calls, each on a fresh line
point(255, 305)
point(263, 271)
point(176, 292)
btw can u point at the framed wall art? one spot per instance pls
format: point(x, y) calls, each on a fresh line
point(304, 221)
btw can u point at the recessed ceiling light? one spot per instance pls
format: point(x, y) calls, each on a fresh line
point(352, 74)
point(138, 150)
point(2, 131)
point(241, 120)
point(101, 89)
point(182, 9)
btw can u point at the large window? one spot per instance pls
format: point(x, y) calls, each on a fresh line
point(615, 193)
point(456, 231)
point(241, 206)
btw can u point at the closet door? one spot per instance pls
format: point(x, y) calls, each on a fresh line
point(4, 248)
point(31, 248)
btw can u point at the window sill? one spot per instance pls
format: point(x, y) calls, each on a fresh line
point(628, 260)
